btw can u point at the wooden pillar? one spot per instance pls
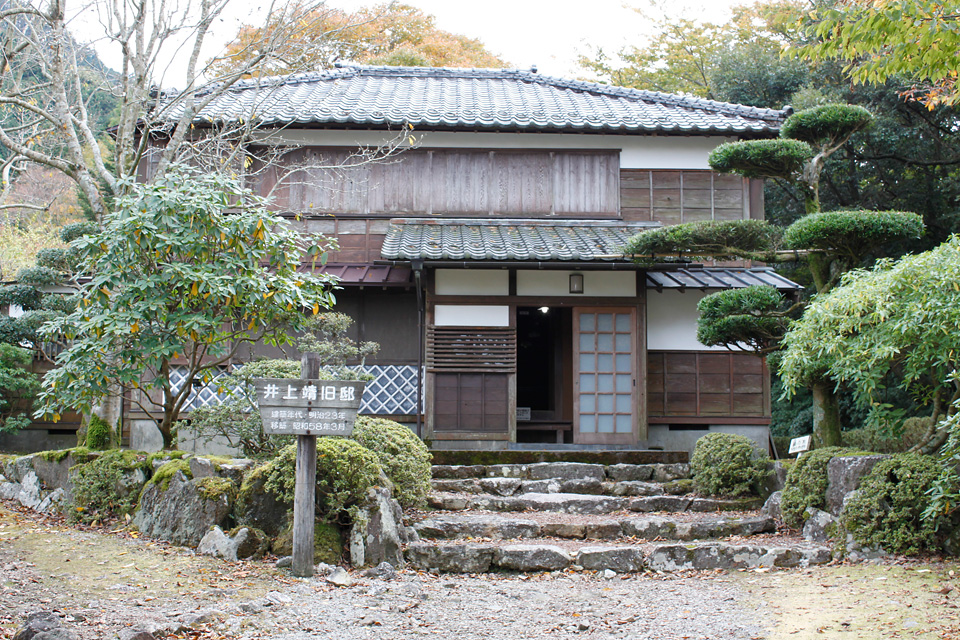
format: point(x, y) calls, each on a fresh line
point(306, 486)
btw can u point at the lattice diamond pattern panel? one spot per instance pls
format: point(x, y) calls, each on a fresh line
point(392, 392)
point(203, 396)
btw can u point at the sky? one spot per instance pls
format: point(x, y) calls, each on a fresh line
point(545, 33)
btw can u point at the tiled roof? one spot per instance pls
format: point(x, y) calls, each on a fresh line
point(475, 99)
point(718, 278)
point(364, 274)
point(534, 240)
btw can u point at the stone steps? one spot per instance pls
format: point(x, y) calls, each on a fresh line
point(587, 504)
point(625, 517)
point(547, 525)
point(467, 557)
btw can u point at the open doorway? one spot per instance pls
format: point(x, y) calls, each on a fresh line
point(544, 401)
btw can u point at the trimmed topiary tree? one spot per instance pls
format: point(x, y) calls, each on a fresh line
point(887, 509)
point(402, 455)
point(727, 464)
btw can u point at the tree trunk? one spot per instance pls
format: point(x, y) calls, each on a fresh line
point(826, 416)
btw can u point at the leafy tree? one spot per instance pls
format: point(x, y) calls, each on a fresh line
point(389, 34)
point(880, 41)
point(186, 270)
point(893, 324)
point(17, 387)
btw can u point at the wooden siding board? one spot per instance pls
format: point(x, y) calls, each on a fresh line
point(708, 385)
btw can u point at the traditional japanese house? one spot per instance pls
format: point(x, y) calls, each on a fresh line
point(487, 260)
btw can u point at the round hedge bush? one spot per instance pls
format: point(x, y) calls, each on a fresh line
point(726, 464)
point(761, 158)
point(806, 484)
point(886, 511)
point(345, 471)
point(852, 233)
point(826, 123)
point(402, 455)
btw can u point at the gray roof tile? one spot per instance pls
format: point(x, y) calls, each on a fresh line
point(476, 99)
point(718, 278)
point(533, 240)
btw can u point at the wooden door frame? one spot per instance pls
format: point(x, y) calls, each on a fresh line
point(635, 341)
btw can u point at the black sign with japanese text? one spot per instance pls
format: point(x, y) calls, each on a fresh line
point(308, 407)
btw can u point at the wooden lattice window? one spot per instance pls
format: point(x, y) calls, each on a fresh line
point(472, 349)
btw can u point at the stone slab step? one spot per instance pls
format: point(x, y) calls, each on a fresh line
point(587, 504)
point(494, 526)
point(450, 457)
point(566, 471)
point(590, 486)
point(482, 558)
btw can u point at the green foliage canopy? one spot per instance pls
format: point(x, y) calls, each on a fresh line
point(753, 317)
point(852, 234)
point(826, 125)
point(188, 267)
point(762, 158)
point(898, 318)
point(737, 238)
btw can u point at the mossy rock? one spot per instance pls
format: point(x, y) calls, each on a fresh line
point(162, 476)
point(255, 545)
point(327, 543)
point(80, 455)
point(108, 485)
point(679, 487)
point(806, 484)
point(259, 508)
point(100, 435)
point(167, 455)
point(212, 488)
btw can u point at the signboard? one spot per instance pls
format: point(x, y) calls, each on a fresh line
point(799, 445)
point(308, 407)
point(523, 414)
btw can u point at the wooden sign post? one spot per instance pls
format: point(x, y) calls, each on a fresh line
point(307, 407)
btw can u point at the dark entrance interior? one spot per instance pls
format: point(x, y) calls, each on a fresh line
point(543, 374)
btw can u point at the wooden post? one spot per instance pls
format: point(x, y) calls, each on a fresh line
point(306, 486)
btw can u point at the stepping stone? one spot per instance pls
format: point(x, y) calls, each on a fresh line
point(566, 471)
point(451, 558)
point(649, 504)
point(633, 488)
point(619, 559)
point(457, 472)
point(532, 557)
point(477, 526)
point(721, 555)
point(568, 503)
point(590, 486)
point(630, 472)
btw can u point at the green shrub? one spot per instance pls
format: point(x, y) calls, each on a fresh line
point(713, 238)
point(402, 455)
point(345, 471)
point(886, 511)
point(852, 234)
point(101, 488)
point(752, 315)
point(825, 123)
point(726, 464)
point(806, 484)
point(100, 436)
point(761, 158)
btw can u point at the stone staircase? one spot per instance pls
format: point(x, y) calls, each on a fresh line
point(622, 517)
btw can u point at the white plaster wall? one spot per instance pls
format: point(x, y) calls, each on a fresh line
point(637, 151)
point(603, 284)
point(469, 282)
point(663, 437)
point(471, 315)
point(672, 320)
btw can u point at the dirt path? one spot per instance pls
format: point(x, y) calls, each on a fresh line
point(103, 582)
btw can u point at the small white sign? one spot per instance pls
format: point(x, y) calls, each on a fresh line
point(799, 445)
point(523, 414)
point(308, 407)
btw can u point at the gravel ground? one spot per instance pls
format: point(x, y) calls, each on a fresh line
point(102, 582)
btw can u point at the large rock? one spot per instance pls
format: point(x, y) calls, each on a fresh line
point(245, 543)
point(53, 501)
point(630, 472)
point(181, 514)
point(668, 472)
point(43, 623)
point(819, 525)
point(843, 477)
point(532, 557)
point(55, 474)
point(452, 558)
point(500, 486)
point(457, 471)
point(771, 507)
point(721, 555)
point(619, 559)
point(256, 507)
point(375, 536)
point(29, 494)
point(774, 480)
